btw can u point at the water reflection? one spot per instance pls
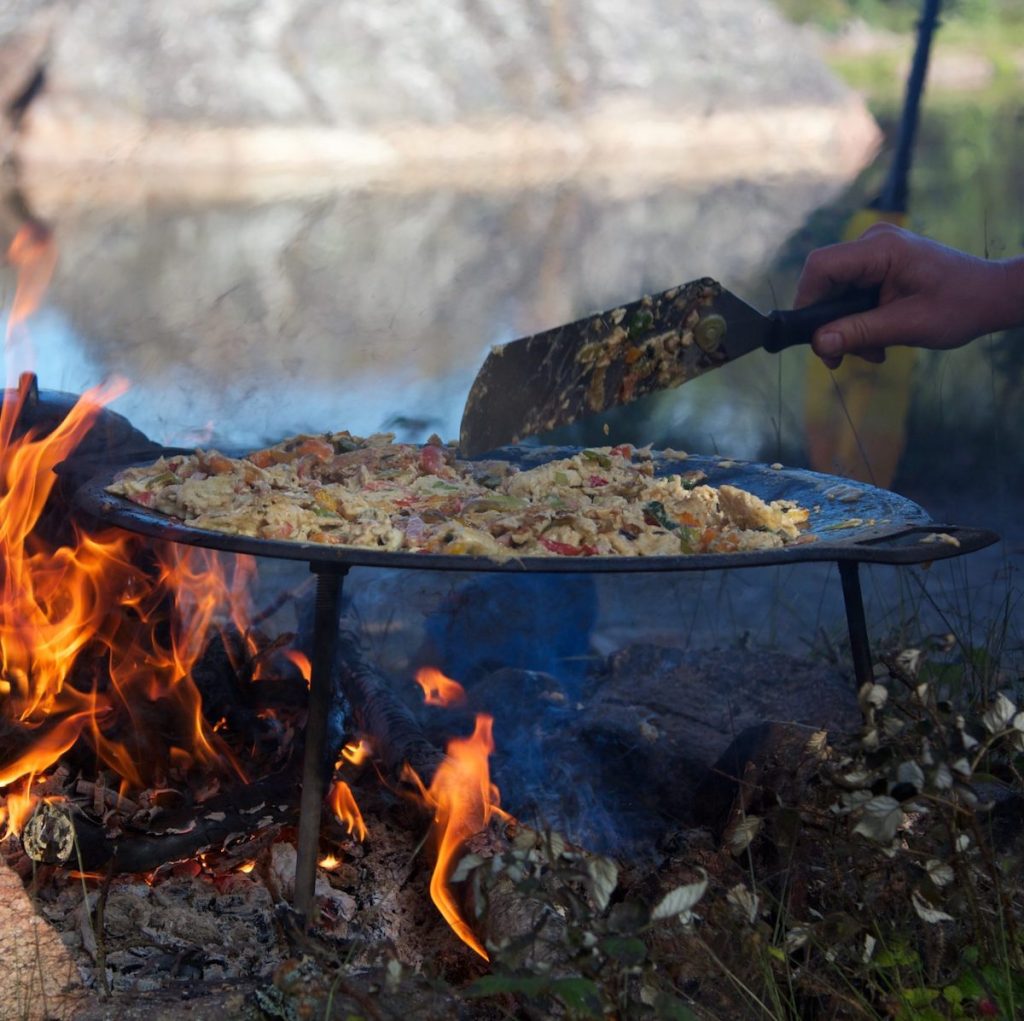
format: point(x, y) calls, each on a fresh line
point(372, 310)
point(369, 310)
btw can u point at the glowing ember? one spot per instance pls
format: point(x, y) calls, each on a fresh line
point(463, 799)
point(247, 866)
point(357, 752)
point(343, 804)
point(438, 689)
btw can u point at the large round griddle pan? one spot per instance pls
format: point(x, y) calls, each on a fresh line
point(848, 521)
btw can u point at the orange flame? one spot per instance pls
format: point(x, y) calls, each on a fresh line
point(438, 689)
point(33, 254)
point(463, 799)
point(343, 805)
point(21, 803)
point(301, 660)
point(357, 752)
point(329, 862)
point(90, 648)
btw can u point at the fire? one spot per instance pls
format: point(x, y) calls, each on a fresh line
point(357, 752)
point(329, 862)
point(463, 799)
point(98, 642)
point(94, 647)
point(343, 805)
point(20, 804)
point(50, 601)
point(301, 660)
point(33, 254)
point(438, 689)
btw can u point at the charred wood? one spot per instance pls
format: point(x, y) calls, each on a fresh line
point(379, 714)
point(61, 833)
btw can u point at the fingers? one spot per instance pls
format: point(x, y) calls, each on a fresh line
point(866, 335)
point(834, 269)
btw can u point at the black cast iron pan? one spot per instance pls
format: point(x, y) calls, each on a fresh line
point(849, 520)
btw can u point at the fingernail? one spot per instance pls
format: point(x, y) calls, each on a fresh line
point(830, 344)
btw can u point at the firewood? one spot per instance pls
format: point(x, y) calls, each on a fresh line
point(60, 833)
point(379, 714)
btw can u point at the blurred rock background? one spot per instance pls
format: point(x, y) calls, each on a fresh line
point(303, 83)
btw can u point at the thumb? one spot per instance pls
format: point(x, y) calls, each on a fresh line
point(865, 334)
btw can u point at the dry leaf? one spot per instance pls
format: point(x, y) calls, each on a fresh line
point(743, 833)
point(999, 714)
point(880, 819)
point(681, 901)
point(926, 912)
point(604, 878)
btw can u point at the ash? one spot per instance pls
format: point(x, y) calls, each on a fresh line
point(204, 939)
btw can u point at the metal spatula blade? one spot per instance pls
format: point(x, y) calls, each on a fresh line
point(535, 384)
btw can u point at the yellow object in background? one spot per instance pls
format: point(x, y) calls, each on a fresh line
point(864, 218)
point(855, 418)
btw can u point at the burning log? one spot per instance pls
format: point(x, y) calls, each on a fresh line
point(396, 736)
point(60, 832)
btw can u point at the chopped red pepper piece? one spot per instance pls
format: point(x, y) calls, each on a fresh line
point(595, 481)
point(431, 460)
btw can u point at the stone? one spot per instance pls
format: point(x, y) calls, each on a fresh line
point(622, 760)
point(279, 83)
point(659, 717)
point(39, 980)
point(754, 774)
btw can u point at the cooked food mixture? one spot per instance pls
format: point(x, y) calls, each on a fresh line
point(373, 493)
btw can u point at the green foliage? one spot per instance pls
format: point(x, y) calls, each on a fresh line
point(921, 911)
point(862, 878)
point(898, 15)
point(583, 950)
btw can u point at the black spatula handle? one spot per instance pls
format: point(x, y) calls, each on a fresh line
point(797, 326)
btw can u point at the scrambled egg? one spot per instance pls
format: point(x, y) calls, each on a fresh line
point(373, 493)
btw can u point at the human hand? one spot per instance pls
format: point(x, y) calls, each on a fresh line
point(929, 295)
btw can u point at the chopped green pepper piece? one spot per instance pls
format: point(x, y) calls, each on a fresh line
point(596, 456)
point(688, 540)
point(643, 320)
point(655, 513)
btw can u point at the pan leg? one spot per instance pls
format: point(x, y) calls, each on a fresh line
point(325, 641)
point(860, 647)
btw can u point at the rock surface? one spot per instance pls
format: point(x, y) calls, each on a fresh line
point(290, 83)
point(39, 980)
point(662, 716)
point(356, 65)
